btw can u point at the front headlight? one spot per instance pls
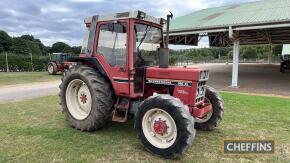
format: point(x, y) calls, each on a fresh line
point(199, 91)
point(204, 75)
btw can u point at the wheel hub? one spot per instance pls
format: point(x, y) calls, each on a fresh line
point(160, 127)
point(83, 98)
point(50, 68)
point(78, 99)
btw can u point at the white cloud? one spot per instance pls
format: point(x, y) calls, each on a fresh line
point(86, 0)
point(13, 12)
point(183, 7)
point(54, 8)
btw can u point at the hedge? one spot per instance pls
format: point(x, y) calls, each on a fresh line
point(19, 63)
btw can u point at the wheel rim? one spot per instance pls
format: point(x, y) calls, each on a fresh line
point(50, 68)
point(78, 99)
point(207, 116)
point(159, 128)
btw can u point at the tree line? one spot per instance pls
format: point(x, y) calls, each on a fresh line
point(27, 45)
point(26, 53)
point(225, 53)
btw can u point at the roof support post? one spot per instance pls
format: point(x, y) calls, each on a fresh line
point(270, 54)
point(235, 70)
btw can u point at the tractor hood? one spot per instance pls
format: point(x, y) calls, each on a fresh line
point(187, 74)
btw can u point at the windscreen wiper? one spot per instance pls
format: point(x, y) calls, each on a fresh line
point(143, 38)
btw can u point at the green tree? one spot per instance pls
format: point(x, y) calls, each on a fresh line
point(35, 45)
point(76, 50)
point(249, 52)
point(20, 46)
point(5, 41)
point(27, 37)
point(60, 47)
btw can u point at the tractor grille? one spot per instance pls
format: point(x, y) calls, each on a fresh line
point(201, 87)
point(200, 92)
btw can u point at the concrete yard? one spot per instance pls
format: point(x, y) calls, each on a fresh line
point(253, 78)
point(27, 91)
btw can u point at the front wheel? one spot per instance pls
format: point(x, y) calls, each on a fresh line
point(214, 117)
point(165, 126)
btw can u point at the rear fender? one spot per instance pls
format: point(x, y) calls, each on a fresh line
point(92, 62)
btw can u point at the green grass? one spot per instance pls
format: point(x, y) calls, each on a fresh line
point(35, 131)
point(25, 77)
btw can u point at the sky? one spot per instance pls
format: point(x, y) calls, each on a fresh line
point(62, 20)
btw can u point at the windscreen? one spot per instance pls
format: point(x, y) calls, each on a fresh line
point(85, 41)
point(89, 37)
point(147, 41)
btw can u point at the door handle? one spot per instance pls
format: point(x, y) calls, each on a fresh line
point(132, 72)
point(122, 69)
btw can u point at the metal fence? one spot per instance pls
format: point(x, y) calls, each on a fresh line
point(182, 60)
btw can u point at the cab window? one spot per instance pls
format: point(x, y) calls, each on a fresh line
point(112, 43)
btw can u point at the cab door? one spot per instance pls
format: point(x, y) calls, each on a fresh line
point(112, 52)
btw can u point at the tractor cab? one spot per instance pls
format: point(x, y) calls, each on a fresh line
point(285, 58)
point(285, 63)
point(125, 44)
point(60, 57)
point(58, 63)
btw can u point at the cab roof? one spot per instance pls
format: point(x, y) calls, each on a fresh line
point(126, 15)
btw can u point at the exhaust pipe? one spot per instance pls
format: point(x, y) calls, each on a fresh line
point(169, 16)
point(164, 52)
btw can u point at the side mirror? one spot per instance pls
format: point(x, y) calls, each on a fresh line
point(111, 26)
point(163, 57)
point(116, 27)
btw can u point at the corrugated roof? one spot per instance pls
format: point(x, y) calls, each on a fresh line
point(261, 12)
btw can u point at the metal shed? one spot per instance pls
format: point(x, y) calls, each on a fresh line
point(261, 22)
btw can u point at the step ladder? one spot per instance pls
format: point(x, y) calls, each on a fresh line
point(120, 113)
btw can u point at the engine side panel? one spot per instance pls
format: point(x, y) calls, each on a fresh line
point(186, 74)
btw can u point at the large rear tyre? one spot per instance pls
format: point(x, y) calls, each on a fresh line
point(52, 68)
point(165, 126)
point(86, 98)
point(213, 118)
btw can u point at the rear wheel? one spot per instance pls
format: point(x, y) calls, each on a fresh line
point(52, 68)
point(214, 117)
point(86, 98)
point(165, 126)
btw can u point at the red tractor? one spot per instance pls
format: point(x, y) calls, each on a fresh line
point(58, 63)
point(123, 71)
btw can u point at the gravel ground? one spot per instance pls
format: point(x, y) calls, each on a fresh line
point(28, 91)
point(253, 78)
